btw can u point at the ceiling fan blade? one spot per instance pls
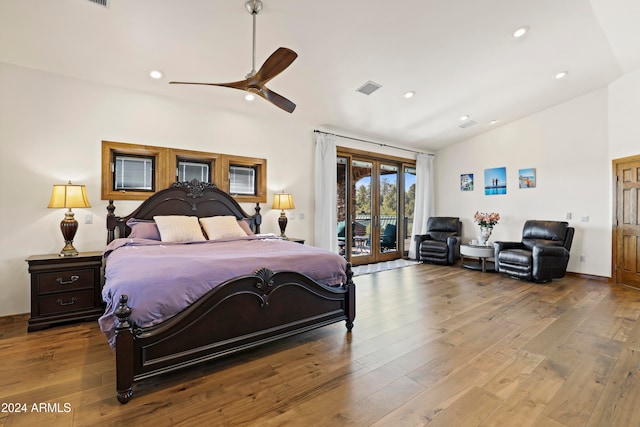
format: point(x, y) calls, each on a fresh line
point(275, 64)
point(277, 100)
point(242, 84)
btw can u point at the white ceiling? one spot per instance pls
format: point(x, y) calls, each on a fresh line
point(457, 55)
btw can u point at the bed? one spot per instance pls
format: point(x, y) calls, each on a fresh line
point(281, 292)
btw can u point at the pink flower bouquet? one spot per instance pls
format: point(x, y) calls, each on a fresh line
point(486, 219)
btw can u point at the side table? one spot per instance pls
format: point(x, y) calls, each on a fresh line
point(481, 253)
point(64, 288)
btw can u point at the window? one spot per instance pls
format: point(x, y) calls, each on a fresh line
point(188, 170)
point(191, 165)
point(132, 172)
point(242, 180)
point(245, 178)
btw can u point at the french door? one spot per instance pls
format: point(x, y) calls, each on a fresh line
point(626, 237)
point(370, 213)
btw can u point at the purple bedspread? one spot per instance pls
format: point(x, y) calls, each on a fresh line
point(161, 279)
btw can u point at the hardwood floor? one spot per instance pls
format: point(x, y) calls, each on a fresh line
point(442, 346)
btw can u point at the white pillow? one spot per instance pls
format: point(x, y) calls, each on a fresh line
point(180, 229)
point(221, 227)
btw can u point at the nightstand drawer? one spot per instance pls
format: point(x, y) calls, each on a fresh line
point(65, 302)
point(65, 280)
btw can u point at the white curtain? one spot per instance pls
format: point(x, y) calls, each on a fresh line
point(326, 229)
point(424, 199)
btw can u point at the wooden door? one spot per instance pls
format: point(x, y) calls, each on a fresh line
point(369, 199)
point(375, 214)
point(627, 225)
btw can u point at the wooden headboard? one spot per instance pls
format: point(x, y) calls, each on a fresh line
point(192, 198)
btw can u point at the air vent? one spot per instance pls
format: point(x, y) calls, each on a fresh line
point(368, 88)
point(104, 3)
point(467, 124)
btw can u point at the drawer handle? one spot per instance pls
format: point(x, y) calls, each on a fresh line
point(73, 279)
point(73, 301)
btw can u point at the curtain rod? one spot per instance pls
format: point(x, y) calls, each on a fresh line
point(371, 142)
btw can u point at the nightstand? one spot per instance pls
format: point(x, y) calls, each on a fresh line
point(64, 288)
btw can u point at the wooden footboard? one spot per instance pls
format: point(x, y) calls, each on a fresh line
point(239, 314)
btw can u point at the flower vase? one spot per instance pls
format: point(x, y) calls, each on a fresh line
point(485, 233)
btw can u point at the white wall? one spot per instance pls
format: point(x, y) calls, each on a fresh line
point(624, 104)
point(51, 128)
point(567, 145)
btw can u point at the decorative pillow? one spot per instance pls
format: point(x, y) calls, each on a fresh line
point(143, 229)
point(244, 224)
point(179, 229)
point(221, 227)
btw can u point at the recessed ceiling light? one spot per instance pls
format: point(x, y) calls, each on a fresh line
point(249, 97)
point(520, 32)
point(465, 117)
point(156, 74)
point(561, 75)
point(409, 94)
point(493, 122)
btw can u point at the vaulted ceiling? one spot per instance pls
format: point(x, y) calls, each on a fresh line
point(459, 57)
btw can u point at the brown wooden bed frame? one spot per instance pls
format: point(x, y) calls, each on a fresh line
point(247, 311)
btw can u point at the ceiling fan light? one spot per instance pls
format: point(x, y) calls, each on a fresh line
point(249, 97)
point(520, 32)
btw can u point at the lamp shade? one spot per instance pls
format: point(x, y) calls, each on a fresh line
point(69, 196)
point(282, 201)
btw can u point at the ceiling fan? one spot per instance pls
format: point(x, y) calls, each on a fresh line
point(255, 81)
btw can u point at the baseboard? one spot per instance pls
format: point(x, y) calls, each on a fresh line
point(14, 318)
point(589, 276)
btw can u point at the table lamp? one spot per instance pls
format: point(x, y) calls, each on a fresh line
point(69, 196)
point(282, 201)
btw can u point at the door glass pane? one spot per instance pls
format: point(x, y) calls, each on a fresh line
point(409, 205)
point(341, 203)
point(361, 227)
point(388, 225)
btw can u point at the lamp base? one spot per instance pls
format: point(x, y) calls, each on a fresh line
point(68, 250)
point(282, 222)
point(69, 227)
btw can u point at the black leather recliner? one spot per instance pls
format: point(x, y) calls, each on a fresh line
point(542, 255)
point(441, 244)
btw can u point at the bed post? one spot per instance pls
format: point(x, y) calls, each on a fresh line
point(351, 298)
point(124, 351)
point(111, 222)
point(257, 218)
